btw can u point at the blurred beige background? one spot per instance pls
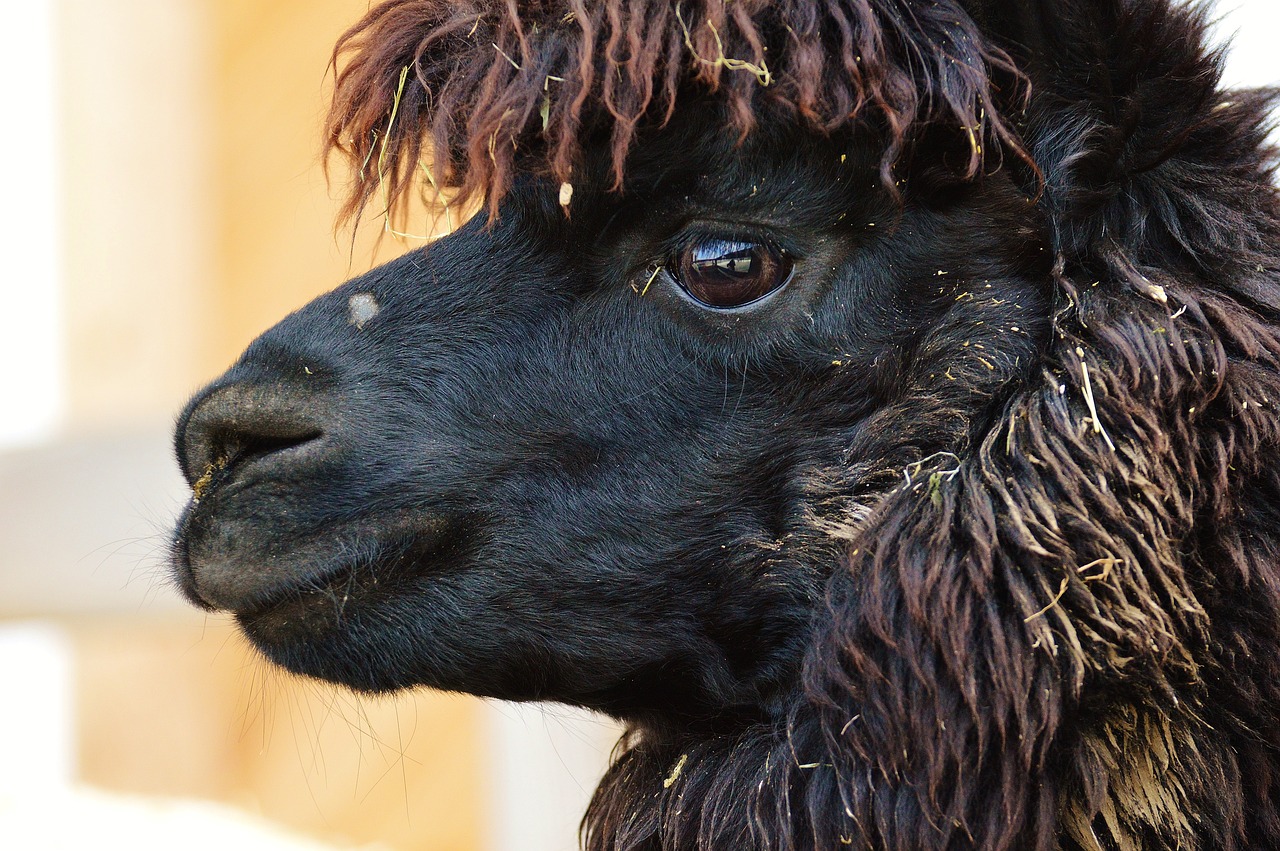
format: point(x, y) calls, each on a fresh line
point(168, 205)
point(164, 203)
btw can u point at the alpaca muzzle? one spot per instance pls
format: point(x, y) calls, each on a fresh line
point(240, 446)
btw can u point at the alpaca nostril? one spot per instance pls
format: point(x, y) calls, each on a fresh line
point(232, 425)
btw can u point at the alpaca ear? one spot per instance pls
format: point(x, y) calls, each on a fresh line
point(1100, 51)
point(1124, 106)
point(1049, 39)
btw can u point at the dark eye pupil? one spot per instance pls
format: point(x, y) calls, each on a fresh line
point(726, 273)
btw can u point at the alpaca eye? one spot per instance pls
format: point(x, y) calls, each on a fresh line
point(723, 273)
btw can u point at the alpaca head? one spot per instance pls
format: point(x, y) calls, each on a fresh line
point(610, 457)
point(607, 451)
point(810, 363)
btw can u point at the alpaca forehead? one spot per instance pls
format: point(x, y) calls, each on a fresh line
point(778, 177)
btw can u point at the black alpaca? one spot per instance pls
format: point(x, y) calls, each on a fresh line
point(872, 402)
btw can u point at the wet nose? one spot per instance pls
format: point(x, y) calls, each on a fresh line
point(228, 426)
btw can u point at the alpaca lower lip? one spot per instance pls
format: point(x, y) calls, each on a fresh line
point(322, 600)
point(319, 596)
point(235, 563)
point(322, 605)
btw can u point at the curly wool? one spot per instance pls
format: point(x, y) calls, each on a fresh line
point(493, 85)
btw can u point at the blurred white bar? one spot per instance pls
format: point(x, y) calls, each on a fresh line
point(1250, 26)
point(546, 761)
point(37, 732)
point(31, 380)
point(82, 818)
point(84, 523)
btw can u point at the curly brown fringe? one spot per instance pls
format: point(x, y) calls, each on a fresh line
point(492, 81)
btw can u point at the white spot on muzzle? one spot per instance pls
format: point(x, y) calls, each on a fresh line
point(362, 307)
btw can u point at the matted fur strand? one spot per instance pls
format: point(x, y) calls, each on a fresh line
point(493, 82)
